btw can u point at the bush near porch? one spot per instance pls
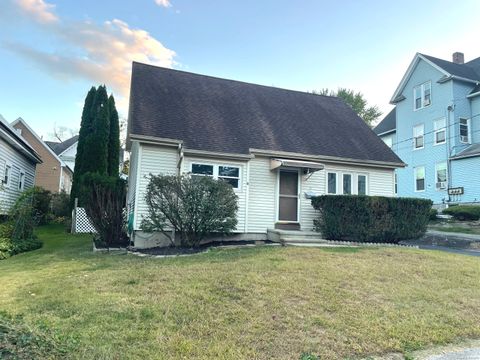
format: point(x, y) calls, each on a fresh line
point(371, 218)
point(463, 212)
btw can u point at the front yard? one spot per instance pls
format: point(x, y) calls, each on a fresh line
point(265, 302)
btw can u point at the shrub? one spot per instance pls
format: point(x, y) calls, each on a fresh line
point(193, 206)
point(40, 201)
point(104, 198)
point(463, 212)
point(433, 214)
point(61, 205)
point(371, 218)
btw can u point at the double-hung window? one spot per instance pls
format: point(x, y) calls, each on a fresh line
point(347, 184)
point(464, 130)
point(362, 185)
point(418, 136)
point(7, 175)
point(422, 95)
point(420, 178)
point(439, 126)
point(332, 183)
point(441, 176)
point(230, 174)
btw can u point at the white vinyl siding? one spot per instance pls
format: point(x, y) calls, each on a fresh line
point(18, 163)
point(132, 177)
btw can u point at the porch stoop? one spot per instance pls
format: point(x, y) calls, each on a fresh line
point(295, 237)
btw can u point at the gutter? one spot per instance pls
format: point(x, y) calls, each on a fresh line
point(474, 94)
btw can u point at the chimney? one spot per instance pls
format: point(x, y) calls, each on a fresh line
point(458, 58)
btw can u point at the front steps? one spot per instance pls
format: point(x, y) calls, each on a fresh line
point(296, 237)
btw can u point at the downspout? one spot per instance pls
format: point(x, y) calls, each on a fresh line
point(449, 166)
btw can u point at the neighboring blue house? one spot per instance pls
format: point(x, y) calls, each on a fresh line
point(435, 129)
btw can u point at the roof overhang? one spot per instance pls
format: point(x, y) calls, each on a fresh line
point(473, 95)
point(391, 131)
point(311, 166)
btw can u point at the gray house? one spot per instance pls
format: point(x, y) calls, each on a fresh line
point(18, 161)
point(276, 147)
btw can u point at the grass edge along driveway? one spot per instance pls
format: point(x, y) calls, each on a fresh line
point(250, 303)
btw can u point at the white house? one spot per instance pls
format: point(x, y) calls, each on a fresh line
point(65, 150)
point(18, 161)
point(276, 147)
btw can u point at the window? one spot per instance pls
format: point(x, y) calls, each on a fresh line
point(422, 95)
point(388, 140)
point(7, 176)
point(396, 184)
point(21, 180)
point(464, 130)
point(441, 176)
point(347, 184)
point(362, 185)
point(418, 137)
point(332, 183)
point(440, 131)
point(230, 174)
point(420, 178)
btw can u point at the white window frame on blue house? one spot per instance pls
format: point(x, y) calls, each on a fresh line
point(418, 132)
point(441, 182)
point(440, 127)
point(416, 178)
point(464, 124)
point(422, 92)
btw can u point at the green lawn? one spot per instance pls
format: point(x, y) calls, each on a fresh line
point(251, 303)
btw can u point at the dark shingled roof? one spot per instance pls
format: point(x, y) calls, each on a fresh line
point(388, 124)
point(59, 147)
point(470, 151)
point(220, 115)
point(469, 70)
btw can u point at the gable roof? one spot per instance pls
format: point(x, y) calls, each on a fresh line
point(388, 124)
point(470, 72)
point(10, 135)
point(60, 147)
point(218, 115)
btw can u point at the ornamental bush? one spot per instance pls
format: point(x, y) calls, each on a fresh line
point(463, 212)
point(193, 206)
point(371, 218)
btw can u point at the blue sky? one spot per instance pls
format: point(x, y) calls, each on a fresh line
point(51, 52)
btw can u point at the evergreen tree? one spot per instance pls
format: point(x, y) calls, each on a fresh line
point(85, 130)
point(95, 153)
point(114, 139)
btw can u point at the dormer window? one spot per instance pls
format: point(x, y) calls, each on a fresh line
point(422, 95)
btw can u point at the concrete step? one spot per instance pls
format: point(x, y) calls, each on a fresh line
point(295, 236)
point(311, 240)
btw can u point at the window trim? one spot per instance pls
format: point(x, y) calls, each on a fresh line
point(468, 125)
point(351, 183)
point(415, 137)
point(10, 166)
point(20, 173)
point(336, 183)
point(436, 131)
point(422, 95)
point(366, 183)
point(215, 175)
point(415, 178)
point(446, 176)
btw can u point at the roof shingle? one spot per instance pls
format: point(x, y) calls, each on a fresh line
point(220, 115)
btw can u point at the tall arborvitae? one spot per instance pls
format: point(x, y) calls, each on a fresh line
point(114, 139)
point(95, 153)
point(85, 131)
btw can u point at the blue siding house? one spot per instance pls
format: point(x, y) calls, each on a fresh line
point(435, 129)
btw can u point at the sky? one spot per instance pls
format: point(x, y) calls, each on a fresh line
point(52, 52)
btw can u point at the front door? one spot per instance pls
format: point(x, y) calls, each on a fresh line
point(288, 196)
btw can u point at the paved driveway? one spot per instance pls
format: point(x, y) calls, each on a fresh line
point(451, 242)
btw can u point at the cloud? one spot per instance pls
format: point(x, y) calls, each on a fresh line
point(39, 10)
point(101, 53)
point(164, 3)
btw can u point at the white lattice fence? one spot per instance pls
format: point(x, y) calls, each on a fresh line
point(81, 223)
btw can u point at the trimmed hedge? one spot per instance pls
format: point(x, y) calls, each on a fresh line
point(371, 218)
point(463, 212)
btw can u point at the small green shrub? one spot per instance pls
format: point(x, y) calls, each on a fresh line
point(6, 248)
point(371, 218)
point(61, 205)
point(433, 214)
point(463, 212)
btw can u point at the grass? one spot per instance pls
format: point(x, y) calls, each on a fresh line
point(456, 229)
point(251, 303)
